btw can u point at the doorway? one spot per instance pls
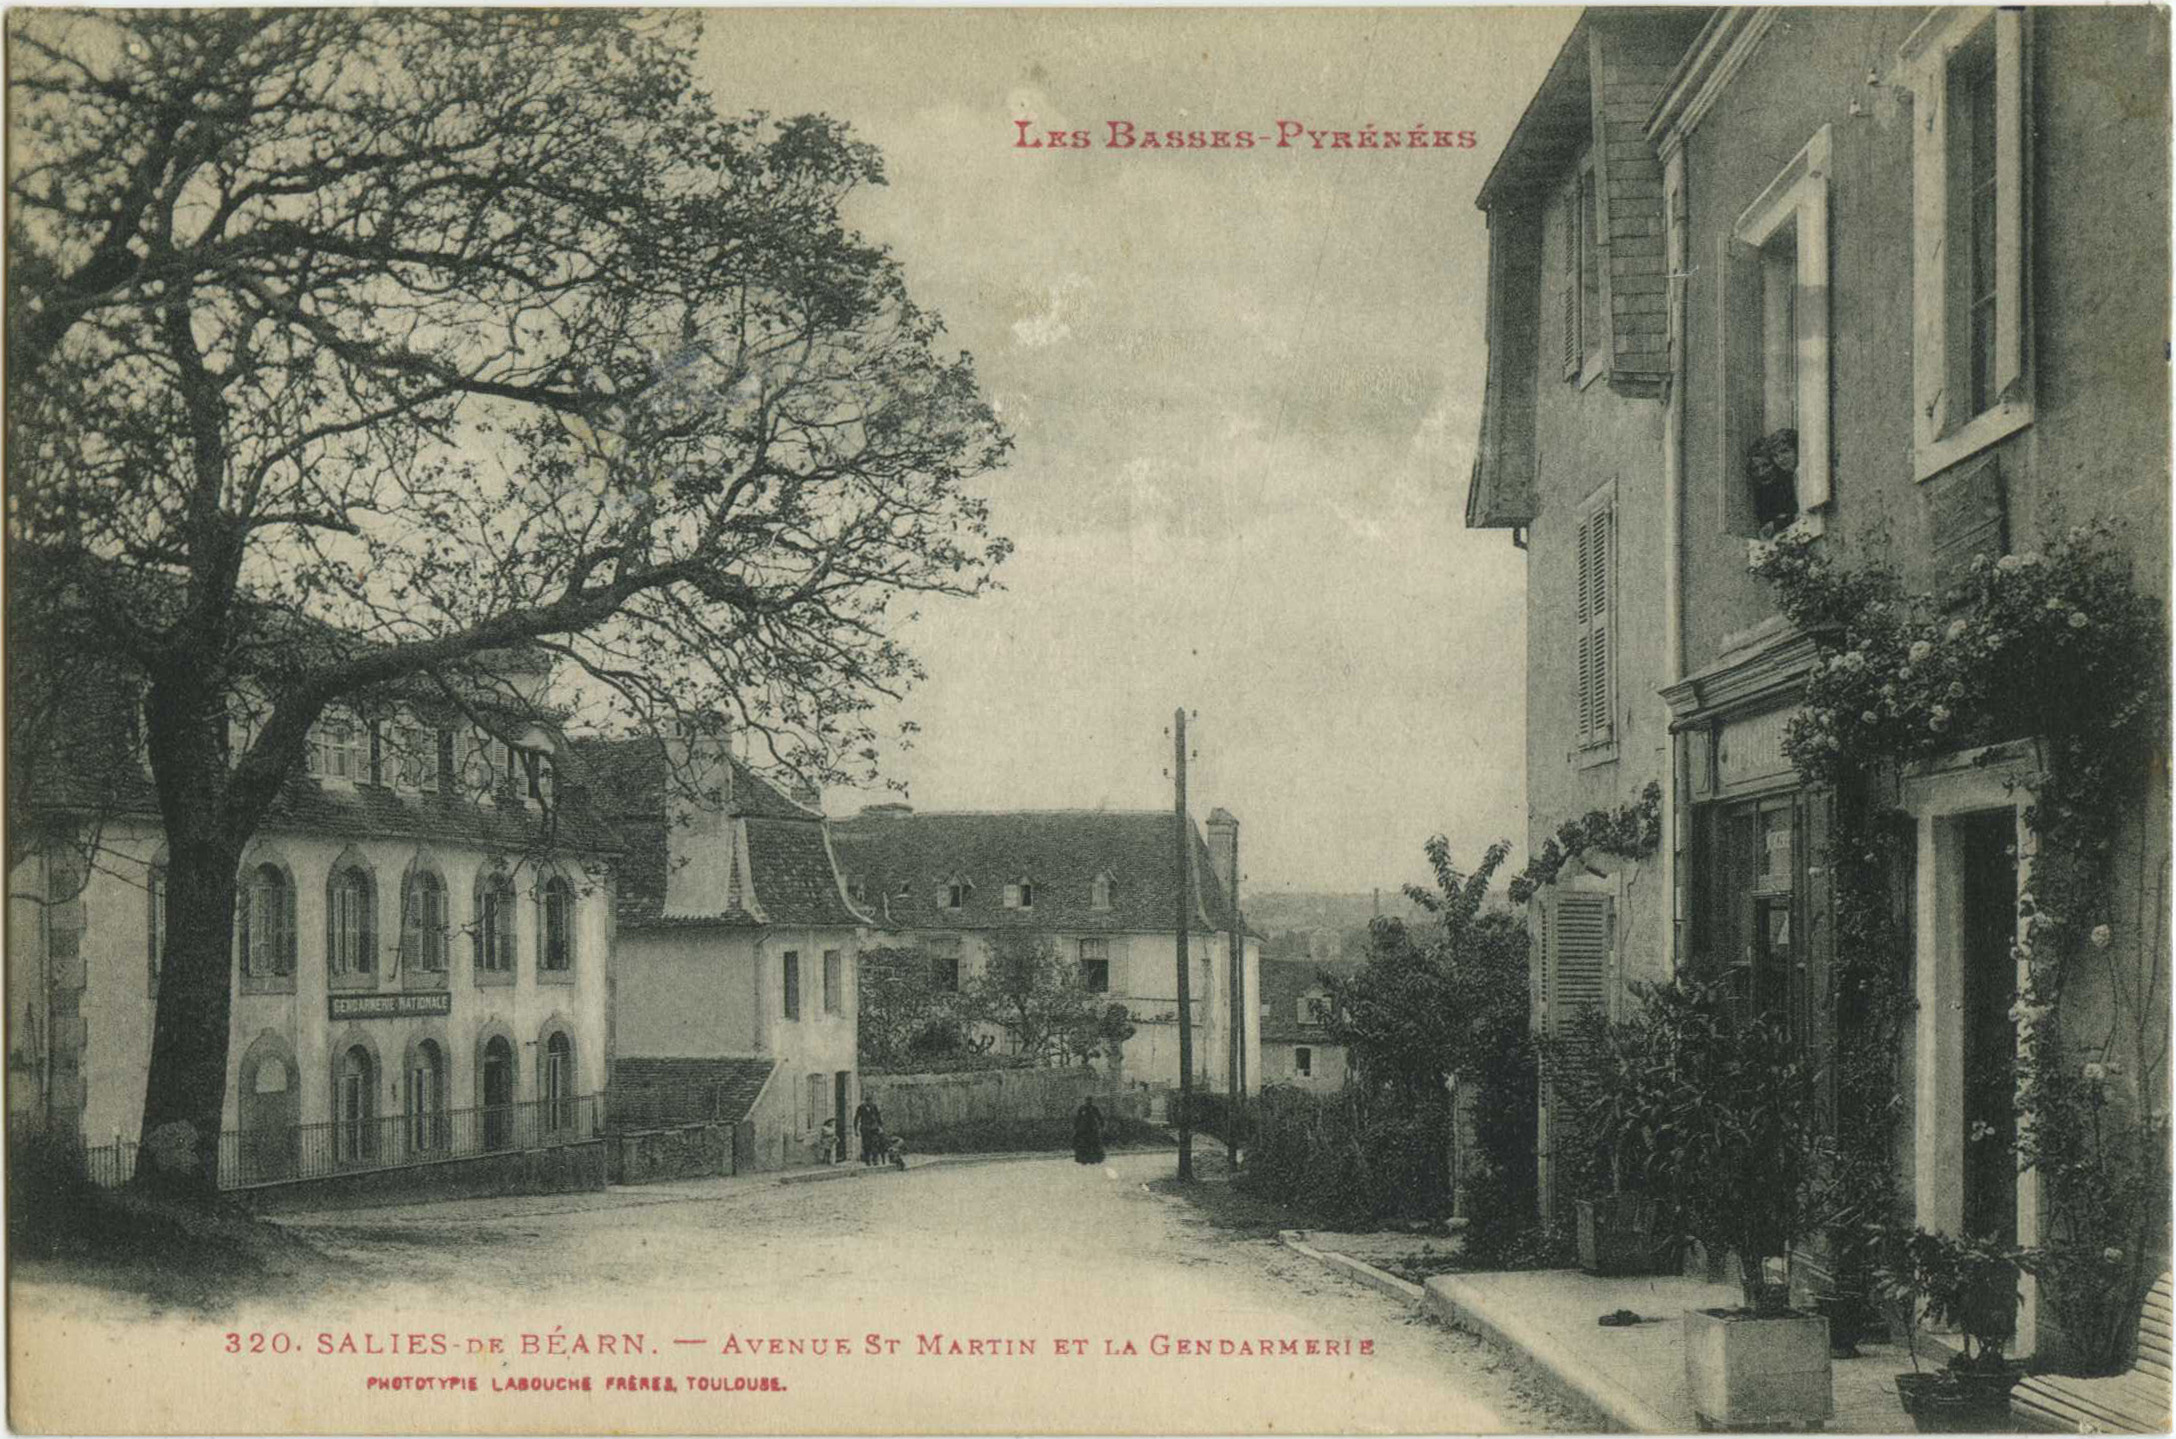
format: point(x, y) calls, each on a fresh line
point(498, 1093)
point(842, 1084)
point(1987, 861)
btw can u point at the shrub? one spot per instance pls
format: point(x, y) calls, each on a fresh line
point(1343, 1161)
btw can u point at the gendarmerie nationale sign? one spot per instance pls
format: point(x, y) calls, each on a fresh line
point(390, 1006)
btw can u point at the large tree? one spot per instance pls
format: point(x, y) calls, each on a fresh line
point(353, 349)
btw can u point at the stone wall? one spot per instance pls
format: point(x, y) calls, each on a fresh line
point(685, 1151)
point(920, 1103)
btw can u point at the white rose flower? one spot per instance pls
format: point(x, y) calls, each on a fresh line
point(2103, 936)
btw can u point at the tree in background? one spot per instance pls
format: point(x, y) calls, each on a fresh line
point(1027, 989)
point(904, 1015)
point(351, 349)
point(1443, 1002)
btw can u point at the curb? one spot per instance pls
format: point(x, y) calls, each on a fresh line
point(1353, 1269)
point(1451, 1299)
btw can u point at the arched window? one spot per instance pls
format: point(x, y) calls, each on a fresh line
point(268, 1107)
point(266, 921)
point(423, 923)
point(558, 1081)
point(351, 922)
point(354, 1108)
point(494, 924)
point(427, 1099)
point(1103, 891)
point(556, 953)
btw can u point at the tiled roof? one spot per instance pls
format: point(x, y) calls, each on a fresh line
point(98, 773)
point(790, 867)
point(676, 1090)
point(904, 863)
point(1284, 982)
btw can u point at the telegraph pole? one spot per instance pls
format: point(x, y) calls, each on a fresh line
point(1183, 860)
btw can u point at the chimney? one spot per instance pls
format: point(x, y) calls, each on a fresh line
point(1224, 856)
point(700, 870)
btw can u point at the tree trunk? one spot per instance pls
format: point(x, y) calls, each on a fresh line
point(185, 1091)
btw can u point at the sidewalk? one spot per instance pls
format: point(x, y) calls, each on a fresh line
point(1634, 1376)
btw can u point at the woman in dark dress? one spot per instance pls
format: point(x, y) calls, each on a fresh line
point(1088, 1133)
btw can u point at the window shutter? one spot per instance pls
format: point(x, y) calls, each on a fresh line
point(1598, 592)
point(2010, 82)
point(1582, 957)
point(1583, 612)
point(1569, 294)
point(284, 956)
point(1591, 619)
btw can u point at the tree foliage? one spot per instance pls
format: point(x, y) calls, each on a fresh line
point(1449, 1001)
point(350, 348)
point(1030, 991)
point(903, 1014)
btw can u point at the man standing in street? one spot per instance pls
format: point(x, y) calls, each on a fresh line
point(870, 1126)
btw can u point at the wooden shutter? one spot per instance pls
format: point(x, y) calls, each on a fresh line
point(1569, 280)
point(1599, 589)
point(1583, 939)
point(1591, 613)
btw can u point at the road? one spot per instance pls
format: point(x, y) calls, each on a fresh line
point(1031, 1295)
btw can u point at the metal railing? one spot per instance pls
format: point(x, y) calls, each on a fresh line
point(109, 1166)
point(352, 1146)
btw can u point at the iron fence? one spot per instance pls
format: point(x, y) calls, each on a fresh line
point(351, 1146)
point(109, 1166)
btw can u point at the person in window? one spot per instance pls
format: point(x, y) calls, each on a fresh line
point(1771, 465)
point(1088, 1133)
point(869, 1124)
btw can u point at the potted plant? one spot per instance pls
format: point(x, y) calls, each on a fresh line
point(1969, 1285)
point(1856, 1195)
point(1723, 1106)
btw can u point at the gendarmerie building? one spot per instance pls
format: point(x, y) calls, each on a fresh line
point(423, 927)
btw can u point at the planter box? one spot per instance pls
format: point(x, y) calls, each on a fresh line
point(1616, 1235)
point(1742, 1372)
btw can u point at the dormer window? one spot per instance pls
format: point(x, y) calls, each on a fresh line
point(857, 891)
point(339, 748)
point(1020, 894)
point(413, 763)
point(956, 892)
point(536, 774)
point(1101, 891)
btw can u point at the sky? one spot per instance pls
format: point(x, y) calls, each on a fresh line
point(1244, 387)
